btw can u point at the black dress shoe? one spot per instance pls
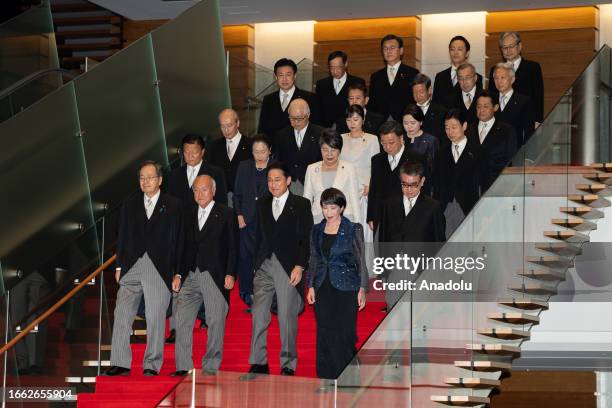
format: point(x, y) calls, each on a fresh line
point(116, 370)
point(149, 372)
point(287, 371)
point(171, 337)
point(179, 373)
point(254, 370)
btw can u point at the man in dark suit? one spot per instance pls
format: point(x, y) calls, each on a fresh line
point(515, 109)
point(149, 250)
point(273, 115)
point(298, 145)
point(384, 180)
point(446, 82)
point(464, 95)
point(528, 74)
point(460, 174)
point(332, 91)
point(209, 271)
point(282, 243)
point(227, 152)
point(497, 138)
point(390, 87)
point(358, 95)
point(433, 123)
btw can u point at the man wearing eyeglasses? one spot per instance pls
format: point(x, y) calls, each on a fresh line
point(464, 96)
point(149, 250)
point(528, 74)
point(297, 145)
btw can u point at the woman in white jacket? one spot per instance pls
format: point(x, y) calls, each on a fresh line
point(332, 172)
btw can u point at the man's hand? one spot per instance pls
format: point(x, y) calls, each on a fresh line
point(296, 275)
point(117, 275)
point(241, 222)
point(371, 224)
point(361, 298)
point(310, 297)
point(366, 190)
point(176, 283)
point(229, 282)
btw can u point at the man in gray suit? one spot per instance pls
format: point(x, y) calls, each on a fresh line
point(209, 268)
point(149, 249)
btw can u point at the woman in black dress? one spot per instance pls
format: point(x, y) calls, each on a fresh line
point(420, 142)
point(337, 282)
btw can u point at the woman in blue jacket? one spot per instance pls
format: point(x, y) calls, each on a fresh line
point(337, 282)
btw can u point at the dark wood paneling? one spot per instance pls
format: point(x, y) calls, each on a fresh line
point(543, 19)
point(133, 30)
point(367, 29)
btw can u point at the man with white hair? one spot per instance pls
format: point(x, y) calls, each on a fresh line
point(528, 74)
point(297, 145)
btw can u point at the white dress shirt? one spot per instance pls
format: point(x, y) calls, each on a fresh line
point(516, 63)
point(394, 160)
point(453, 74)
point(457, 151)
point(484, 128)
point(281, 202)
point(231, 145)
point(472, 94)
point(393, 68)
point(150, 203)
point(409, 203)
point(192, 173)
point(503, 99)
point(424, 107)
point(339, 83)
point(299, 136)
point(203, 214)
point(289, 93)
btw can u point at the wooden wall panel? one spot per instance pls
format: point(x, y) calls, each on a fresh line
point(543, 19)
point(133, 30)
point(366, 29)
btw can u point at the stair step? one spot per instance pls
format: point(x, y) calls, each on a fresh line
point(559, 248)
point(473, 382)
point(592, 200)
point(485, 366)
point(524, 303)
point(539, 289)
point(505, 333)
point(551, 261)
point(87, 20)
point(543, 274)
point(567, 236)
point(587, 213)
point(497, 349)
point(461, 400)
point(68, 7)
point(602, 166)
point(80, 380)
point(594, 188)
point(115, 43)
point(577, 224)
point(605, 178)
point(514, 318)
point(94, 363)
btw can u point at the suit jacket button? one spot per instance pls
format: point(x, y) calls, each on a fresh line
point(256, 198)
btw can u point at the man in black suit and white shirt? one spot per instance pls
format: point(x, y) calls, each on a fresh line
point(497, 138)
point(433, 113)
point(298, 145)
point(282, 248)
point(515, 108)
point(528, 74)
point(464, 95)
point(447, 81)
point(391, 87)
point(358, 95)
point(149, 250)
point(274, 115)
point(332, 91)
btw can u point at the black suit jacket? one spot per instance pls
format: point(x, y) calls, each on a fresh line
point(443, 87)
point(288, 237)
point(519, 114)
point(456, 101)
point(215, 247)
point(434, 121)
point(161, 236)
point(217, 156)
point(391, 99)
point(529, 82)
point(331, 104)
point(385, 183)
point(371, 123)
point(272, 118)
point(178, 186)
point(464, 180)
point(298, 159)
point(499, 146)
point(424, 223)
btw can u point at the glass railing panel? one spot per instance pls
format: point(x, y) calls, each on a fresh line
point(193, 81)
point(121, 122)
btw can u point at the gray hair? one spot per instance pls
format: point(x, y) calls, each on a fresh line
point(508, 66)
point(466, 65)
point(505, 34)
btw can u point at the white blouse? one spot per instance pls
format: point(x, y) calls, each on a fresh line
point(359, 152)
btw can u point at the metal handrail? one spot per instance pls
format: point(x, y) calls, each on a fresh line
point(32, 77)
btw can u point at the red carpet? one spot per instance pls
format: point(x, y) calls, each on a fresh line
point(139, 391)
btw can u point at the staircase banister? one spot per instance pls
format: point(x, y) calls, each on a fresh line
point(32, 77)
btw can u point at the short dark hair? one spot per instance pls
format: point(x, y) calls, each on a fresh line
point(391, 126)
point(421, 78)
point(390, 37)
point(192, 138)
point(332, 138)
point(460, 38)
point(335, 54)
point(485, 93)
point(354, 109)
point(261, 138)
point(412, 168)
point(280, 166)
point(158, 167)
point(455, 113)
point(285, 62)
point(415, 112)
point(332, 196)
point(358, 86)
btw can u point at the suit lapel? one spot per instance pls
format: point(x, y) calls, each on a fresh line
point(212, 218)
point(159, 208)
point(287, 209)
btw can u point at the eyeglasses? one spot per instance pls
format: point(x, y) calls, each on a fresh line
point(411, 185)
point(297, 118)
point(509, 47)
point(465, 78)
point(149, 178)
